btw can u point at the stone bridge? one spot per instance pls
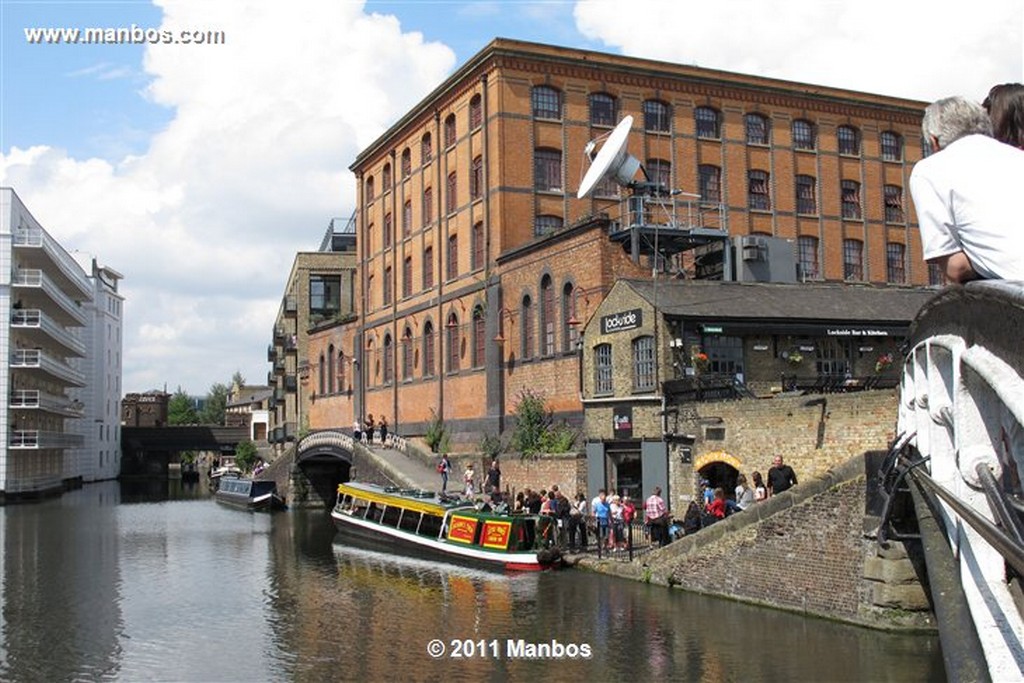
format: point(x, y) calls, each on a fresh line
point(147, 451)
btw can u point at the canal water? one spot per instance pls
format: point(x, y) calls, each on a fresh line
point(108, 583)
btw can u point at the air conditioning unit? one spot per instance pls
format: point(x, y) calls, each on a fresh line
point(753, 248)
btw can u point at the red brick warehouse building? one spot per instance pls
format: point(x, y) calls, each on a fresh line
point(475, 259)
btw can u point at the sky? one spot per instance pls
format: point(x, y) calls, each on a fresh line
point(199, 170)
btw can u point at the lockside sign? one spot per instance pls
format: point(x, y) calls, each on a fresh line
point(620, 322)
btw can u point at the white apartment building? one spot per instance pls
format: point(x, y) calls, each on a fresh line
point(60, 386)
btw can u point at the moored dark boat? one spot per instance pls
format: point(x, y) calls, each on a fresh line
point(423, 522)
point(249, 494)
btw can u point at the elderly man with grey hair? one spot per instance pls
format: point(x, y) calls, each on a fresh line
point(969, 195)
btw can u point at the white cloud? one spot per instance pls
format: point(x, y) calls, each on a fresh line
point(205, 224)
point(919, 50)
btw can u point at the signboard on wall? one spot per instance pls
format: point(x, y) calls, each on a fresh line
point(622, 422)
point(622, 321)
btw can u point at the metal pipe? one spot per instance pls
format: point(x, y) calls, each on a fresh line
point(961, 648)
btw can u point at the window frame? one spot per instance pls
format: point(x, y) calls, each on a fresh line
point(707, 123)
point(761, 137)
point(759, 196)
point(603, 376)
point(891, 144)
point(706, 180)
point(806, 194)
point(892, 200)
point(804, 142)
point(850, 207)
point(657, 116)
point(896, 263)
point(546, 103)
point(547, 170)
point(848, 141)
point(476, 117)
point(853, 270)
point(450, 130)
point(808, 255)
point(643, 363)
point(608, 107)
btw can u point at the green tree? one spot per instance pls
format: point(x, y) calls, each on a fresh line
point(246, 456)
point(533, 418)
point(238, 378)
point(216, 404)
point(180, 410)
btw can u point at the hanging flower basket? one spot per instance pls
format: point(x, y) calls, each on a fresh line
point(699, 360)
point(883, 362)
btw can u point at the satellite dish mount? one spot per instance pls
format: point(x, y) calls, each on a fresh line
point(611, 161)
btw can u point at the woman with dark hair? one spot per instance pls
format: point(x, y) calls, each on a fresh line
point(1005, 106)
point(760, 492)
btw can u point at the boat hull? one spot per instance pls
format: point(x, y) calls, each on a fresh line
point(390, 539)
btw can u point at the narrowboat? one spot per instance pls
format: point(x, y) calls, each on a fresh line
point(249, 494)
point(424, 522)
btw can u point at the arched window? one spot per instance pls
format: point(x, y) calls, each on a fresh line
point(475, 112)
point(850, 199)
point(385, 179)
point(341, 371)
point(657, 116)
point(849, 140)
point(806, 197)
point(322, 375)
point(708, 122)
point(331, 374)
point(547, 316)
point(451, 200)
point(643, 363)
point(372, 364)
point(407, 218)
point(476, 246)
point(807, 252)
point(479, 338)
point(452, 328)
point(449, 130)
point(892, 146)
point(453, 256)
point(853, 259)
point(546, 224)
point(547, 103)
point(428, 349)
point(369, 189)
point(389, 354)
point(758, 195)
point(428, 206)
point(709, 182)
point(547, 169)
point(476, 178)
point(603, 369)
point(527, 328)
point(896, 262)
point(893, 195)
point(570, 322)
point(406, 162)
point(758, 129)
point(602, 109)
point(804, 136)
point(660, 171)
point(407, 353)
point(426, 149)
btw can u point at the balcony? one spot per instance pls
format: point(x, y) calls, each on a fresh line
point(291, 344)
point(33, 399)
point(279, 394)
point(38, 329)
point(291, 306)
point(271, 353)
point(39, 439)
point(35, 360)
point(35, 289)
point(291, 385)
point(35, 249)
point(279, 366)
point(279, 335)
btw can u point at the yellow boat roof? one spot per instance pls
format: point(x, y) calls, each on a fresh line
point(409, 499)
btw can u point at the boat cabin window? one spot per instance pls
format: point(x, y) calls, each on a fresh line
point(391, 516)
point(410, 521)
point(374, 512)
point(430, 526)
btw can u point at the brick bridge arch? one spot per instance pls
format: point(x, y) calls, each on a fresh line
point(325, 460)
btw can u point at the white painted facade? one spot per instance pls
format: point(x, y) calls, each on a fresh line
point(58, 378)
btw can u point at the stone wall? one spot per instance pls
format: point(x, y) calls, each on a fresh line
point(810, 550)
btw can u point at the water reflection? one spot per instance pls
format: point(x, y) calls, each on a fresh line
point(99, 586)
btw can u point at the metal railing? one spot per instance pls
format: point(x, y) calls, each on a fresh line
point(961, 414)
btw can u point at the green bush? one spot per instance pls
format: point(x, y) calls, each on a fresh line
point(246, 456)
point(437, 437)
point(491, 446)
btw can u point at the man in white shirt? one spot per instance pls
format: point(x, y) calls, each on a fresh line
point(968, 195)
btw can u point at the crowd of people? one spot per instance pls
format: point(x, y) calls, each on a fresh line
point(966, 190)
point(609, 520)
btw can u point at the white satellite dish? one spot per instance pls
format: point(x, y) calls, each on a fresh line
point(613, 161)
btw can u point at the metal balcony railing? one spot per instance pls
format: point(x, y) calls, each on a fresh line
point(73, 277)
point(37, 360)
point(36, 321)
point(35, 399)
point(39, 439)
point(26, 280)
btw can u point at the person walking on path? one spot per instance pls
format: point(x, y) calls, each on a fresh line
point(781, 477)
point(445, 469)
